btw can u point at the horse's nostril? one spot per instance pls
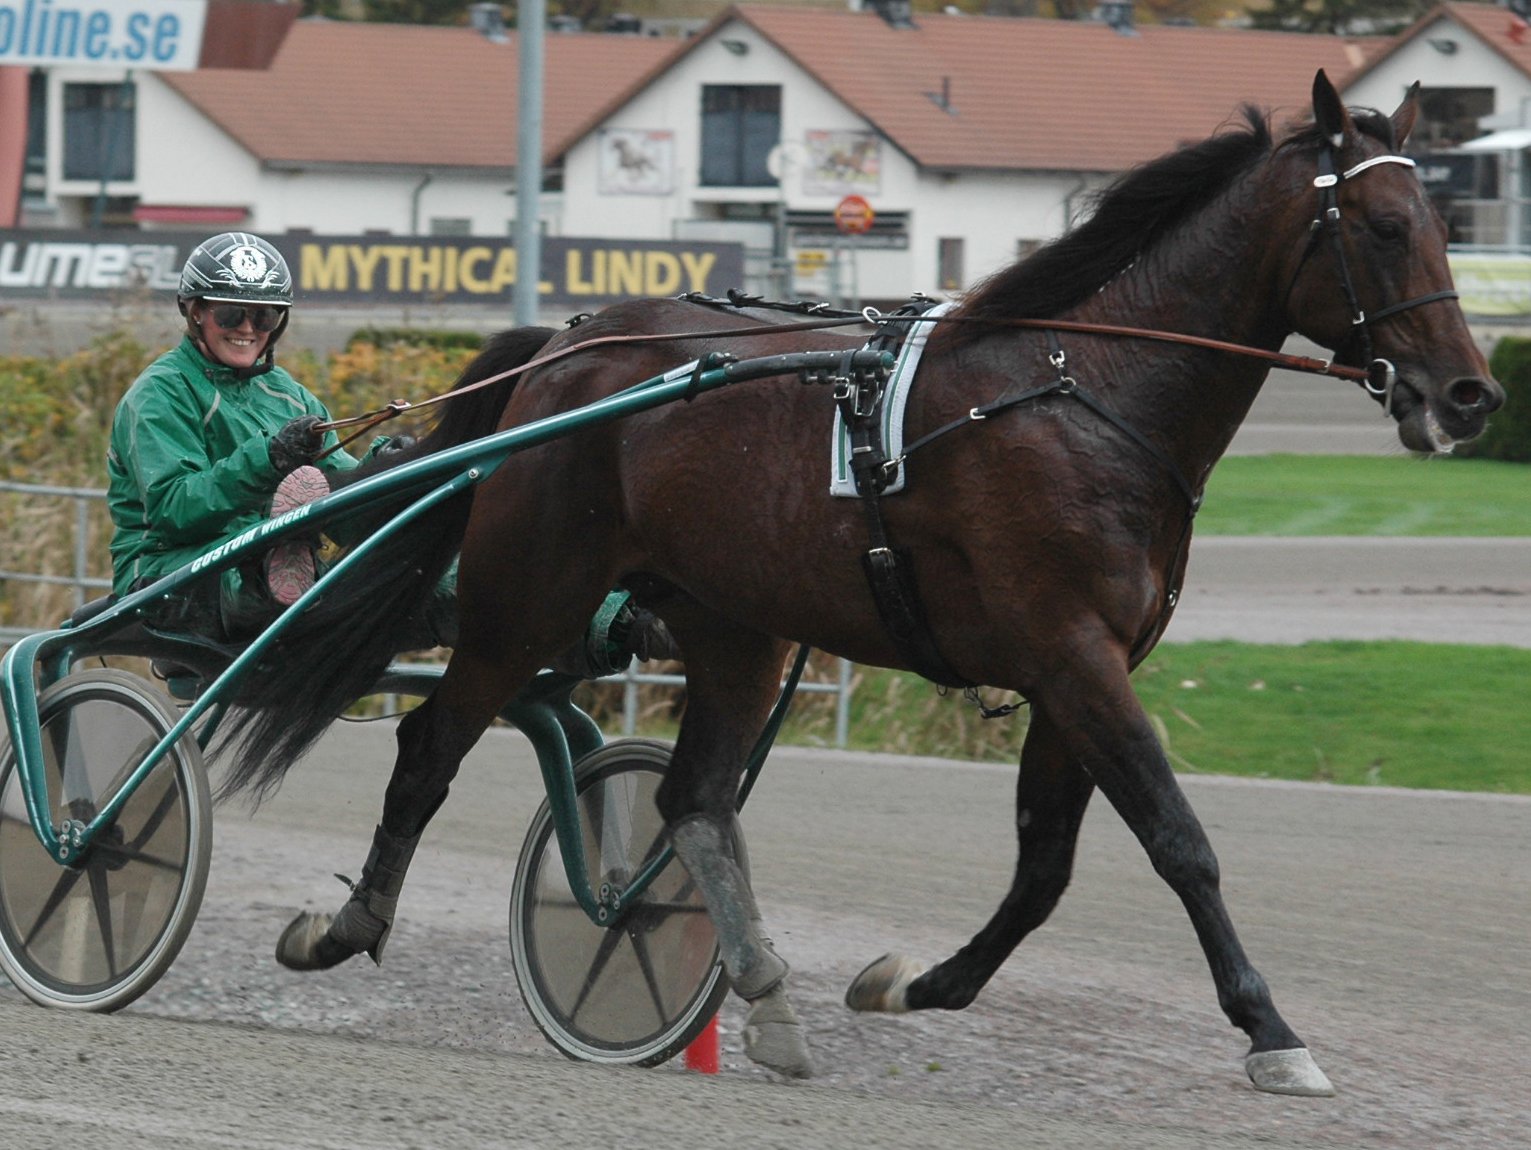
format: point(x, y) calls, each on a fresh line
point(1467, 393)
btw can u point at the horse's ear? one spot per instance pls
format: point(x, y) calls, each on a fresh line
point(1406, 113)
point(1329, 110)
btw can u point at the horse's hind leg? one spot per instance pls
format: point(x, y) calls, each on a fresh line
point(432, 740)
point(1050, 799)
point(732, 678)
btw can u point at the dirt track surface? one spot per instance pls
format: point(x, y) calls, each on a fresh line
point(1392, 927)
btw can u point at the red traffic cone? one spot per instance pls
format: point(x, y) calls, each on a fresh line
point(703, 1054)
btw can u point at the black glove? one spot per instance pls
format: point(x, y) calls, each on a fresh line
point(298, 442)
point(395, 446)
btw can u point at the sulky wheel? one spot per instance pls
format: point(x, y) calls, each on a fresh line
point(96, 935)
point(639, 991)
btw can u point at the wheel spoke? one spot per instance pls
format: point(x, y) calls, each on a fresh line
point(610, 940)
point(668, 908)
point(100, 897)
point(646, 964)
point(157, 816)
point(66, 880)
point(129, 853)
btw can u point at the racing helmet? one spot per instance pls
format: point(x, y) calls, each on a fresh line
point(238, 268)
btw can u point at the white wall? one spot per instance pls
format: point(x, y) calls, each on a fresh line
point(185, 159)
point(990, 211)
point(1473, 65)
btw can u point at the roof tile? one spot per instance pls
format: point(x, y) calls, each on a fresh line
point(403, 94)
point(1049, 94)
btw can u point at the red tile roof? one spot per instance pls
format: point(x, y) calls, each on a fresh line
point(353, 93)
point(1499, 28)
point(1049, 94)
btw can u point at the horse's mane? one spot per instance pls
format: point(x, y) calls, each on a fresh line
point(1132, 214)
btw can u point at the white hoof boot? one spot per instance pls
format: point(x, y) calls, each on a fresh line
point(1288, 1072)
point(773, 1036)
point(884, 986)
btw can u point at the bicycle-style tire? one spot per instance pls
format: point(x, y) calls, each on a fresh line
point(637, 992)
point(96, 935)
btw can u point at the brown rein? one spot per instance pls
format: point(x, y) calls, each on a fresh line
point(371, 419)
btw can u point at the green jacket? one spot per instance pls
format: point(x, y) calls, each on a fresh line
point(188, 464)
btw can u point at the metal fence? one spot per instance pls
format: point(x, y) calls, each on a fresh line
point(83, 584)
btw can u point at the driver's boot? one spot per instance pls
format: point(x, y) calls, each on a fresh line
point(318, 941)
point(621, 630)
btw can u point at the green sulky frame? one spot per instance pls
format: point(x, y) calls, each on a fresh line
point(560, 733)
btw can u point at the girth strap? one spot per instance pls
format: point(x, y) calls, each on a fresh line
point(889, 570)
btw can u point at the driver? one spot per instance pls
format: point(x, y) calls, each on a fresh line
point(213, 437)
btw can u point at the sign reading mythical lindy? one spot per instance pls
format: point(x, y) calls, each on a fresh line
point(375, 269)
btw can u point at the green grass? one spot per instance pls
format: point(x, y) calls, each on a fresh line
point(1391, 713)
point(1395, 713)
point(1366, 495)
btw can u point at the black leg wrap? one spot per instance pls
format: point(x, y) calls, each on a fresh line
point(317, 942)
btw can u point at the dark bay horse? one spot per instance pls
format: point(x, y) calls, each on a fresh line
point(1046, 540)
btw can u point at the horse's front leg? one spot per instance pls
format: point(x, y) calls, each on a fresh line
point(732, 678)
point(1051, 794)
point(1103, 726)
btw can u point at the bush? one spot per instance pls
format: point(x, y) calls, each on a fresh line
point(1509, 430)
point(387, 337)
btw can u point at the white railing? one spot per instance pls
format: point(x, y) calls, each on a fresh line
point(83, 583)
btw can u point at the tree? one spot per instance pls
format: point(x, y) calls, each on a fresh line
point(1338, 17)
point(415, 11)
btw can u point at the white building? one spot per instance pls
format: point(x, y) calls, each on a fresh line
point(1473, 64)
point(971, 139)
point(354, 128)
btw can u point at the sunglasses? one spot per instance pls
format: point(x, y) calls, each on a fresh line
point(232, 315)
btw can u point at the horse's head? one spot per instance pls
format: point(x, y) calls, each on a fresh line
point(1371, 280)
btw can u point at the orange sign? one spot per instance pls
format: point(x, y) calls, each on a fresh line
point(853, 215)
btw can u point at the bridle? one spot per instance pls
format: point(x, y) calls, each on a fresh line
point(1381, 375)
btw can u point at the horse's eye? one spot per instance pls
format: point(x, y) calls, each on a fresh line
point(1389, 231)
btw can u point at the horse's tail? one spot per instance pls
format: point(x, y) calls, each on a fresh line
point(335, 653)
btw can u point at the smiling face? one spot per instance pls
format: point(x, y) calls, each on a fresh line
point(236, 347)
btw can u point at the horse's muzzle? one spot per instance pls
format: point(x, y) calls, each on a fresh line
point(1458, 414)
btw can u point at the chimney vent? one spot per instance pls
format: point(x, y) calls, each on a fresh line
point(897, 13)
point(1117, 14)
point(488, 20)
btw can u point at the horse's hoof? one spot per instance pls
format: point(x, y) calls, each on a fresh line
point(773, 1036)
point(884, 986)
point(1288, 1072)
point(306, 945)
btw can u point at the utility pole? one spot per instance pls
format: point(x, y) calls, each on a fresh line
point(530, 21)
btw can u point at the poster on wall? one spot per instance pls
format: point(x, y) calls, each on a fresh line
point(636, 162)
point(842, 163)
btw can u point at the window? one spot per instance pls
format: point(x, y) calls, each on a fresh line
point(1449, 116)
point(37, 124)
point(741, 123)
point(98, 131)
point(949, 263)
point(451, 226)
